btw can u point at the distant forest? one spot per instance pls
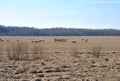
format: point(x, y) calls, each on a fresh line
point(27, 31)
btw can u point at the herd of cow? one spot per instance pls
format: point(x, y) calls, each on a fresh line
point(55, 40)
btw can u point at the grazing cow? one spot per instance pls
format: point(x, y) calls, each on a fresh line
point(17, 40)
point(86, 40)
point(55, 40)
point(82, 39)
point(8, 40)
point(60, 40)
point(1, 40)
point(74, 42)
point(38, 41)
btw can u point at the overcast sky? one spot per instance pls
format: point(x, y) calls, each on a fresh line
point(61, 13)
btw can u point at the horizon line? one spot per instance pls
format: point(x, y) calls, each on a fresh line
point(58, 27)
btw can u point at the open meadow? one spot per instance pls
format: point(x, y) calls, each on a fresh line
point(60, 58)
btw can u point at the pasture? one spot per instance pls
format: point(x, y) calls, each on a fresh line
point(74, 58)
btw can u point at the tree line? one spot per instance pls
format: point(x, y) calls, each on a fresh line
point(27, 31)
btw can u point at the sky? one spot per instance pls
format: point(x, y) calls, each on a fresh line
point(91, 14)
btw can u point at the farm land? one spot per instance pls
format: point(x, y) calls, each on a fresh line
point(52, 58)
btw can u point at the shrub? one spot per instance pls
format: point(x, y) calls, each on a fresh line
point(1, 52)
point(37, 52)
point(24, 51)
point(17, 51)
point(96, 51)
point(74, 52)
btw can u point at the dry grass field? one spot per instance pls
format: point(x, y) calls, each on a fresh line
point(82, 58)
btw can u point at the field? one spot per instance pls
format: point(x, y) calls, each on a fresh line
point(77, 58)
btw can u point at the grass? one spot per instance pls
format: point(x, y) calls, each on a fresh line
point(96, 51)
point(21, 51)
point(37, 52)
point(24, 60)
point(75, 51)
point(16, 51)
point(1, 52)
point(24, 49)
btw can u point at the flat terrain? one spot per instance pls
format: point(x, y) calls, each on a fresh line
point(82, 58)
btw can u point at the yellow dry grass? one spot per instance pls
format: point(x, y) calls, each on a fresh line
point(106, 42)
point(80, 60)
